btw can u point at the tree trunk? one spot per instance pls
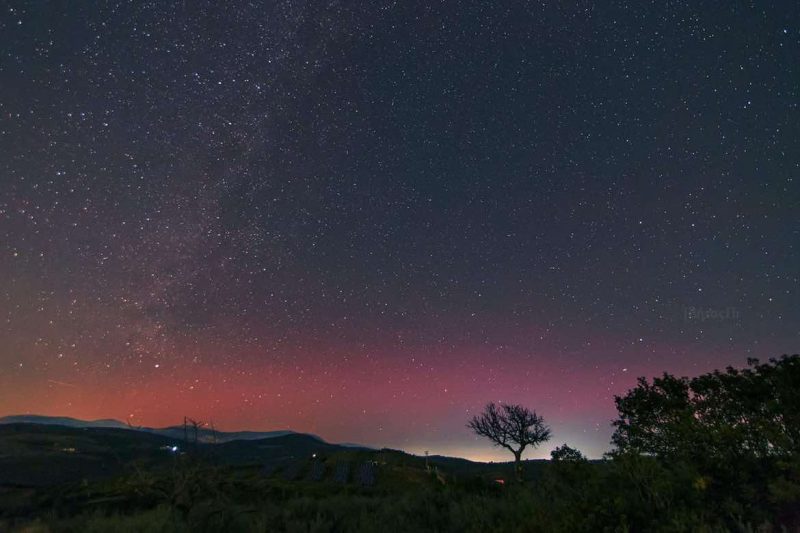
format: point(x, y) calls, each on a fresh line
point(518, 465)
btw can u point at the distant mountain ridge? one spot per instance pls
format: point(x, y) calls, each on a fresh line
point(36, 453)
point(176, 432)
point(63, 421)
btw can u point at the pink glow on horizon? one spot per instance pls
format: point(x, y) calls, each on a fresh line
point(394, 400)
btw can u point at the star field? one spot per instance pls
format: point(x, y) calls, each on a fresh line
point(366, 221)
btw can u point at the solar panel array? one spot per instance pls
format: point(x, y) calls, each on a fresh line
point(367, 474)
point(316, 472)
point(341, 473)
point(362, 474)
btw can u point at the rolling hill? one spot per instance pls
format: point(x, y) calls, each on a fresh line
point(205, 434)
point(36, 453)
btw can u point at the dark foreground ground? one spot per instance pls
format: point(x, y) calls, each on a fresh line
point(65, 479)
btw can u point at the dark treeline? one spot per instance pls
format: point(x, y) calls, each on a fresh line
point(718, 452)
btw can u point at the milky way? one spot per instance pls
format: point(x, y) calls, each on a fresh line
point(366, 220)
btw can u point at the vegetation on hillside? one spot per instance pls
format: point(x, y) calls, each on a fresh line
point(718, 452)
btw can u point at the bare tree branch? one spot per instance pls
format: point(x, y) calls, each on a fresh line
point(513, 427)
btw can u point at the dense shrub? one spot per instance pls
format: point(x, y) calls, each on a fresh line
point(715, 453)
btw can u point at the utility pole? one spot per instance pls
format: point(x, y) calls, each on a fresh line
point(213, 432)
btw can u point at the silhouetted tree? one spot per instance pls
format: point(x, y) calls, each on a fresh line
point(737, 432)
point(567, 454)
point(513, 427)
point(727, 415)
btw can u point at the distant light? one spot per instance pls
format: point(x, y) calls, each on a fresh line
point(174, 449)
point(313, 456)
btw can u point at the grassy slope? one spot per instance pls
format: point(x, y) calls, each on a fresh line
point(125, 471)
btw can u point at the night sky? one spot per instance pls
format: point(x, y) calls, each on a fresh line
point(365, 220)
